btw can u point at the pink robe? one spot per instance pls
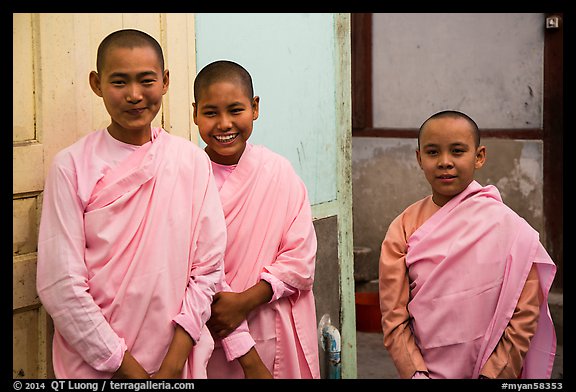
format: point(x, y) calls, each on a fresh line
point(131, 241)
point(468, 264)
point(270, 230)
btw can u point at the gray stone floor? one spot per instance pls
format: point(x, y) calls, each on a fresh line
point(375, 363)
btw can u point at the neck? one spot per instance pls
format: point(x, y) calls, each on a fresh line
point(137, 138)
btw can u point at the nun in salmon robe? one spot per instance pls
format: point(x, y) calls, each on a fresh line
point(476, 284)
point(271, 236)
point(131, 243)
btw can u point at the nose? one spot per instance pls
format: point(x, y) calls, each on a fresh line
point(134, 93)
point(445, 161)
point(224, 123)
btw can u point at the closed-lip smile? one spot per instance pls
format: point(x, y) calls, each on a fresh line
point(135, 110)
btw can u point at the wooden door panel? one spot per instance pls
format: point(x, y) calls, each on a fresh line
point(53, 106)
point(28, 168)
point(24, 283)
point(25, 341)
point(27, 185)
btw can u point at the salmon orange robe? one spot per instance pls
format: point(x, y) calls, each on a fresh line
point(270, 236)
point(464, 288)
point(131, 242)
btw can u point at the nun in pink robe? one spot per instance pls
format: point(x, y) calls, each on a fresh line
point(271, 237)
point(131, 242)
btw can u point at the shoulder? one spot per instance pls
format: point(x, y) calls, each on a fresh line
point(413, 216)
point(272, 159)
point(181, 141)
point(419, 206)
point(78, 150)
point(269, 154)
point(191, 150)
point(279, 170)
point(489, 201)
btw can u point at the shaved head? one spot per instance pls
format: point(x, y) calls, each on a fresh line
point(220, 71)
point(127, 38)
point(453, 114)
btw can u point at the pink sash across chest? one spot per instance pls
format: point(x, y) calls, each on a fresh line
point(468, 264)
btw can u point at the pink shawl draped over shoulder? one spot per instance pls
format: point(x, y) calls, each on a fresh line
point(468, 264)
point(270, 229)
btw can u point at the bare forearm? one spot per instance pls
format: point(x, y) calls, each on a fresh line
point(178, 352)
point(130, 368)
point(253, 366)
point(257, 295)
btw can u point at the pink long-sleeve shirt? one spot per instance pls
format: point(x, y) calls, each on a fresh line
point(131, 241)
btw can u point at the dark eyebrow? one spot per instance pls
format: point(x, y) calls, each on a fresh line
point(459, 144)
point(429, 145)
point(456, 144)
point(209, 106)
point(139, 75)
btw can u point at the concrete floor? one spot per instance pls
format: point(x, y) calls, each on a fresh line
point(375, 363)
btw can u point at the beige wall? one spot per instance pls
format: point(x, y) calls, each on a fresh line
point(53, 107)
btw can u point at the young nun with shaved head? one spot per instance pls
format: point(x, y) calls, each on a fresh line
point(270, 254)
point(464, 280)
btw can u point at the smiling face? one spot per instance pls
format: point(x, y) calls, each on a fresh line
point(131, 84)
point(224, 114)
point(448, 156)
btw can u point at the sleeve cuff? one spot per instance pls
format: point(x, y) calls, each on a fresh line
point(279, 288)
point(237, 344)
point(189, 326)
point(115, 360)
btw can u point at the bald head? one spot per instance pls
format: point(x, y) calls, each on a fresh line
point(453, 114)
point(223, 71)
point(127, 38)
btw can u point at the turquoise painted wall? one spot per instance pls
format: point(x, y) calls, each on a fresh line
point(291, 58)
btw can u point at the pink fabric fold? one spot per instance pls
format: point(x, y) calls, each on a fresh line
point(141, 250)
point(468, 264)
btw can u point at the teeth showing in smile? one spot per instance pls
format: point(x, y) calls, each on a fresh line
point(225, 138)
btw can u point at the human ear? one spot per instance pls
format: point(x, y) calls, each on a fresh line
point(255, 107)
point(165, 81)
point(480, 157)
point(94, 80)
point(195, 112)
point(418, 158)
